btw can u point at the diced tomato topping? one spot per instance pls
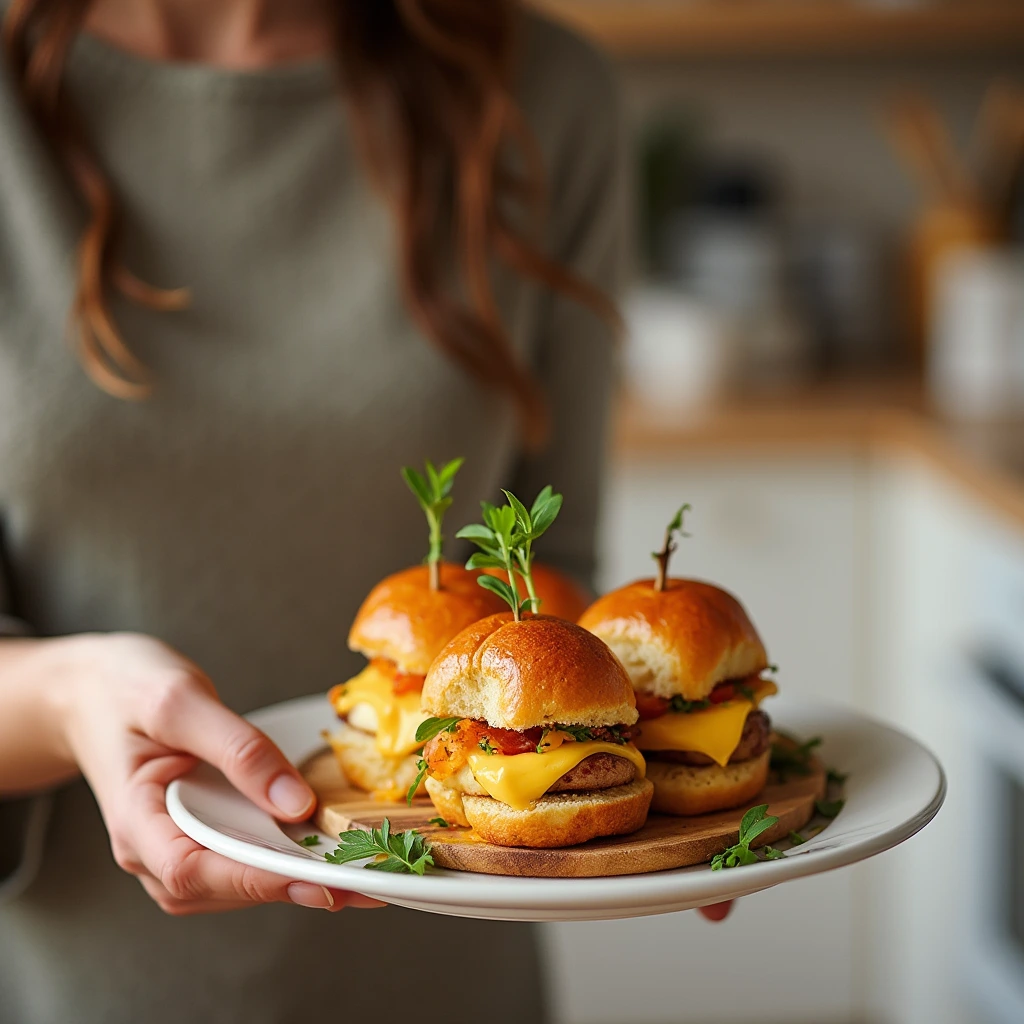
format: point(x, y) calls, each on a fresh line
point(508, 741)
point(721, 693)
point(401, 682)
point(650, 706)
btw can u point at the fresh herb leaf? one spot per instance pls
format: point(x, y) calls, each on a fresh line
point(308, 841)
point(756, 821)
point(505, 539)
point(487, 746)
point(586, 734)
point(400, 851)
point(829, 808)
point(838, 778)
point(429, 728)
point(770, 853)
point(439, 822)
point(789, 755)
point(421, 770)
point(681, 705)
point(745, 691)
point(796, 839)
point(433, 493)
point(771, 668)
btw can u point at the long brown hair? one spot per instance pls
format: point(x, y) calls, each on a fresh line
point(428, 84)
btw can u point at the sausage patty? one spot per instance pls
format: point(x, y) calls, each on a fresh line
point(599, 771)
point(753, 743)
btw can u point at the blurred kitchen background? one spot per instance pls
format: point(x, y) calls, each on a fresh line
point(826, 358)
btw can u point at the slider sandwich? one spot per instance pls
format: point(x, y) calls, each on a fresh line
point(402, 625)
point(529, 742)
point(696, 663)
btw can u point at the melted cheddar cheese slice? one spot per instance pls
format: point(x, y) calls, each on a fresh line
point(374, 707)
point(714, 731)
point(520, 779)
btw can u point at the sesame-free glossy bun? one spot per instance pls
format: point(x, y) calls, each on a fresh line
point(560, 595)
point(517, 675)
point(404, 620)
point(555, 820)
point(686, 789)
point(684, 639)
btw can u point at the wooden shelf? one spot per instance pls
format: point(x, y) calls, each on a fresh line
point(703, 28)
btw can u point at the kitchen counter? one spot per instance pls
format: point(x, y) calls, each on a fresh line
point(890, 416)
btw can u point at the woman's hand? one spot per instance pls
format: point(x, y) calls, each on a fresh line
point(133, 715)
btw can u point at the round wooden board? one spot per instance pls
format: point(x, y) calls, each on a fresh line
point(664, 841)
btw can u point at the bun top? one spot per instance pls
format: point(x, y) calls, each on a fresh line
point(518, 675)
point(404, 620)
point(560, 595)
point(683, 640)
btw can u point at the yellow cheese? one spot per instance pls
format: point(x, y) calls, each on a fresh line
point(715, 731)
point(520, 779)
point(398, 717)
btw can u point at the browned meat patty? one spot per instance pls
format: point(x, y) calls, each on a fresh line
point(753, 743)
point(599, 771)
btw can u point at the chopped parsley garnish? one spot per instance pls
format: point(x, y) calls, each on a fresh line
point(681, 705)
point(439, 822)
point(309, 841)
point(487, 746)
point(791, 756)
point(829, 808)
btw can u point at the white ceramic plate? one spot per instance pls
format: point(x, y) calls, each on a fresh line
point(895, 787)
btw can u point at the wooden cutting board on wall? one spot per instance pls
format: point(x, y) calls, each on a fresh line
point(663, 842)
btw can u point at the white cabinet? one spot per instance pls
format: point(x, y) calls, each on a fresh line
point(787, 534)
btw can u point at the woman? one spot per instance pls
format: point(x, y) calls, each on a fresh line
point(299, 244)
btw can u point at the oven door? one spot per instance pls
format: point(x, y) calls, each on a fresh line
point(993, 942)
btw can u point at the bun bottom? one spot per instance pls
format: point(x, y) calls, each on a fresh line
point(559, 819)
point(687, 789)
point(368, 769)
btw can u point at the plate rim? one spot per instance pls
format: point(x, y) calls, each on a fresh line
point(653, 890)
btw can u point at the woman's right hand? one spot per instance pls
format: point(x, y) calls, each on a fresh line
point(133, 715)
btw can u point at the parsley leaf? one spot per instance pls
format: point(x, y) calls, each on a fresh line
point(399, 851)
point(838, 778)
point(309, 841)
point(829, 808)
point(487, 746)
point(428, 729)
point(421, 770)
point(770, 853)
point(439, 822)
point(796, 839)
point(789, 755)
point(680, 705)
point(756, 821)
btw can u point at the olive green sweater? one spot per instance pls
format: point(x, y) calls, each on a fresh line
point(243, 512)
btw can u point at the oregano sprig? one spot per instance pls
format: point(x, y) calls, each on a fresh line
point(668, 547)
point(433, 492)
point(505, 539)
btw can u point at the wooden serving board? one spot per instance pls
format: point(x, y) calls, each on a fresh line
point(664, 841)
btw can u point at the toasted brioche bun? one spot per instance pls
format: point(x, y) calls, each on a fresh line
point(684, 639)
point(517, 675)
point(367, 768)
point(686, 789)
point(404, 620)
point(560, 596)
point(560, 819)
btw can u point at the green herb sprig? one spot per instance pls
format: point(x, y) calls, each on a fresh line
point(755, 821)
point(680, 705)
point(308, 841)
point(439, 822)
point(661, 557)
point(427, 730)
point(505, 539)
point(433, 492)
point(421, 771)
point(791, 756)
point(394, 851)
point(829, 808)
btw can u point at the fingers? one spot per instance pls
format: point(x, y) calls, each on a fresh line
point(184, 715)
point(183, 877)
point(716, 911)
